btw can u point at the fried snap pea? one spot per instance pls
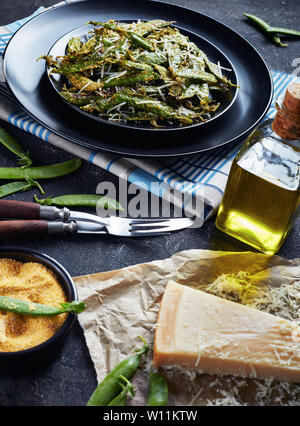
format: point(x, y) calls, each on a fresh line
point(74, 45)
point(129, 79)
point(136, 39)
point(76, 67)
point(85, 200)
point(24, 307)
point(159, 65)
point(80, 99)
point(110, 387)
point(40, 172)
point(140, 41)
point(158, 391)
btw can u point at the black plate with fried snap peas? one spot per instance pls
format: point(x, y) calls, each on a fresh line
point(37, 97)
point(142, 74)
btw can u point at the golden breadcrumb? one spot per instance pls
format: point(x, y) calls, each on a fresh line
point(35, 283)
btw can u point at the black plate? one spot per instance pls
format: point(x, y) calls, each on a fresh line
point(29, 83)
point(225, 99)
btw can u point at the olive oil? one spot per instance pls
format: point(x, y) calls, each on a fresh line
point(262, 194)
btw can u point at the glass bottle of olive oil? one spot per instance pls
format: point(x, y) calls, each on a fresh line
point(263, 189)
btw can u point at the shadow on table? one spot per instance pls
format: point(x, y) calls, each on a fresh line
point(22, 363)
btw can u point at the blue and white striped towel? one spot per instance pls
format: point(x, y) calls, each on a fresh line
point(185, 175)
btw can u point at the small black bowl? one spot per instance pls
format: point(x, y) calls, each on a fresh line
point(46, 351)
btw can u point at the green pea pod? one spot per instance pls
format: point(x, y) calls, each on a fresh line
point(13, 187)
point(10, 143)
point(23, 307)
point(127, 388)
point(40, 172)
point(263, 25)
point(285, 31)
point(110, 387)
point(86, 200)
point(158, 391)
point(19, 186)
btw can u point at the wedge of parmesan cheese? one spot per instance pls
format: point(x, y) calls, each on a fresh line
point(205, 332)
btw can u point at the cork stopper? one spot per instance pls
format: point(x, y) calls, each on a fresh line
point(292, 98)
point(287, 121)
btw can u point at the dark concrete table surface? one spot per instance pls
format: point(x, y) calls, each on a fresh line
point(71, 378)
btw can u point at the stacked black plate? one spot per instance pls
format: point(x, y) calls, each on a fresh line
point(29, 83)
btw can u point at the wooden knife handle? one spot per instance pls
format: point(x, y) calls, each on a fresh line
point(19, 209)
point(13, 229)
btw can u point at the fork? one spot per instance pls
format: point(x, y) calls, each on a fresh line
point(40, 220)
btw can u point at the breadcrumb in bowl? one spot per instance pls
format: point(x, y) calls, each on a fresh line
point(33, 276)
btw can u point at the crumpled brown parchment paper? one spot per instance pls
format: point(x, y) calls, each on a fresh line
point(123, 304)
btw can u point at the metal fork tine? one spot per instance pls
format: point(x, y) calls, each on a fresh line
point(149, 233)
point(182, 222)
point(148, 228)
point(145, 221)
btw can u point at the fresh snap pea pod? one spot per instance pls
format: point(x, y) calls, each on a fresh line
point(13, 187)
point(23, 307)
point(263, 25)
point(19, 186)
point(10, 143)
point(158, 391)
point(128, 79)
point(40, 172)
point(85, 200)
point(127, 388)
point(110, 387)
point(285, 31)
